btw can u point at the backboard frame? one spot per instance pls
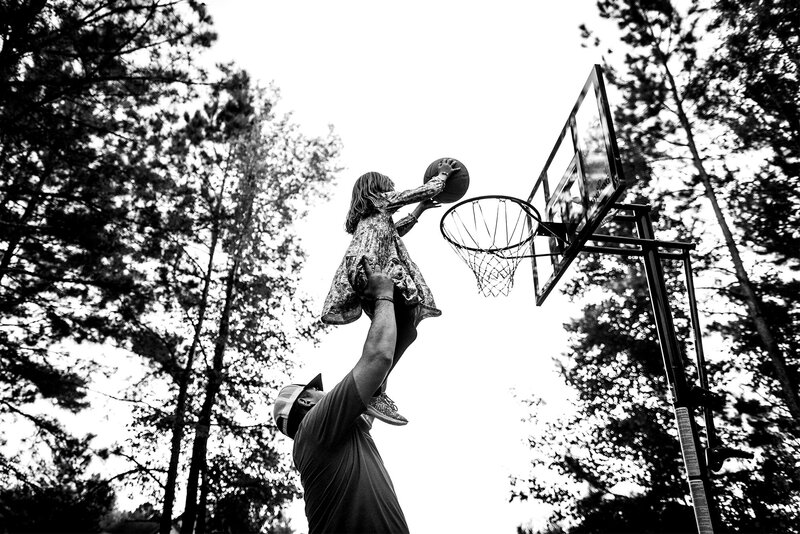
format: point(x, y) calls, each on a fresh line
point(576, 217)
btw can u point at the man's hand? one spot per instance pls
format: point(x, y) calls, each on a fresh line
point(379, 284)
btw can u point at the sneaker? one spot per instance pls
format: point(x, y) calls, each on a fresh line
point(383, 408)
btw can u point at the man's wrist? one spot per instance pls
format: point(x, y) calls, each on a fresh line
point(387, 298)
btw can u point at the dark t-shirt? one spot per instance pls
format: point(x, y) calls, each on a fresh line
point(347, 488)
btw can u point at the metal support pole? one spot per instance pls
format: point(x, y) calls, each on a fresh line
point(711, 434)
point(695, 462)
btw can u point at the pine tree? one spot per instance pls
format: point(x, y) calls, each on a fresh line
point(751, 88)
point(81, 84)
point(662, 66)
point(262, 316)
point(60, 497)
point(618, 453)
point(229, 313)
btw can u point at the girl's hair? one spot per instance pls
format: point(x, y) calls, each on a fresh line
point(366, 190)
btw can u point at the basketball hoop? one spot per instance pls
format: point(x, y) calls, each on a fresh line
point(491, 234)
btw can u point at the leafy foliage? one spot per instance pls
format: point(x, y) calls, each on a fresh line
point(79, 140)
point(227, 282)
point(614, 465)
point(62, 500)
point(148, 206)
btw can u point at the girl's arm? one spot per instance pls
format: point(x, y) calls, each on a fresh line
point(434, 186)
point(407, 223)
point(397, 199)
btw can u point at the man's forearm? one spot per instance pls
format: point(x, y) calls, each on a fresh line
point(376, 358)
point(382, 336)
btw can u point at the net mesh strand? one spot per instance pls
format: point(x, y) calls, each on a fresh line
point(499, 229)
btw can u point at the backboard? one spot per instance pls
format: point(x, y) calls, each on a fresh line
point(578, 185)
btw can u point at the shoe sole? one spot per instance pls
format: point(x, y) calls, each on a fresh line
point(388, 420)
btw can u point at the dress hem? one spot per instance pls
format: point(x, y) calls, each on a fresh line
point(423, 312)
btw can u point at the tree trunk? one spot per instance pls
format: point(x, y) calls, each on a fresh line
point(203, 425)
point(202, 512)
point(752, 300)
point(180, 407)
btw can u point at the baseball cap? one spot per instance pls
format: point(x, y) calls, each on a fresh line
point(286, 400)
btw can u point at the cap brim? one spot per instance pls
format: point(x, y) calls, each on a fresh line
point(316, 383)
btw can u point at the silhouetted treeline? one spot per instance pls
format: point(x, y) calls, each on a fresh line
point(707, 112)
point(147, 206)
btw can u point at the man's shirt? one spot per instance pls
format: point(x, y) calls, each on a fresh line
point(347, 488)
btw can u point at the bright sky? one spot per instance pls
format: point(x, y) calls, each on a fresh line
point(404, 83)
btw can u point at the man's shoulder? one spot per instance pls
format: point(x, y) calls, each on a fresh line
point(339, 392)
point(334, 415)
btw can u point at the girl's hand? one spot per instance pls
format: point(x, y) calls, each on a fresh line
point(424, 205)
point(428, 204)
point(448, 166)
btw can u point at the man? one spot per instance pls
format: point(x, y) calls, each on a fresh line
point(347, 488)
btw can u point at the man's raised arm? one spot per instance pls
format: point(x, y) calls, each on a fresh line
point(376, 358)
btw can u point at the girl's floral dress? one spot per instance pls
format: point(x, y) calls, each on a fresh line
point(377, 241)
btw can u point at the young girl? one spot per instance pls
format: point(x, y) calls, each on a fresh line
point(376, 240)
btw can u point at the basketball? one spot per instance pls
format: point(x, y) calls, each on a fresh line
point(457, 183)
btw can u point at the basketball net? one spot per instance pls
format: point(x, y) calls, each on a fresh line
point(492, 235)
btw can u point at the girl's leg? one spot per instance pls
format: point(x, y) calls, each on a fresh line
point(406, 334)
point(381, 406)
